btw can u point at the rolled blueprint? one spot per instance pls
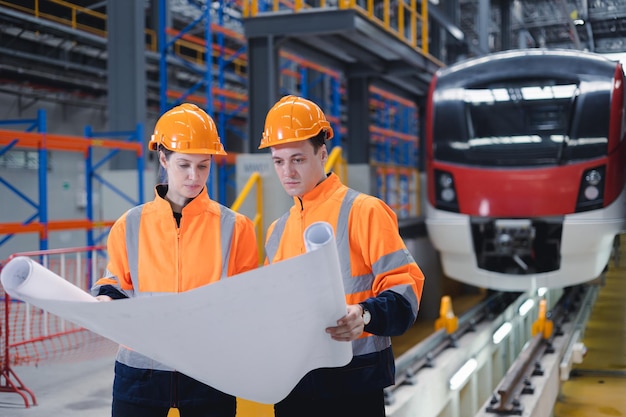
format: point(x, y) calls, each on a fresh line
point(25, 279)
point(317, 235)
point(235, 335)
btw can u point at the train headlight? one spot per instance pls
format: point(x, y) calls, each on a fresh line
point(445, 192)
point(445, 180)
point(591, 190)
point(448, 195)
point(593, 177)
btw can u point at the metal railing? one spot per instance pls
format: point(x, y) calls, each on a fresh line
point(407, 20)
point(30, 335)
point(254, 180)
point(337, 164)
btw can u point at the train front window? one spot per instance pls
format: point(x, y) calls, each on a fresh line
point(525, 123)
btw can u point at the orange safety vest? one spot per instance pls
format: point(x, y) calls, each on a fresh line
point(148, 252)
point(373, 257)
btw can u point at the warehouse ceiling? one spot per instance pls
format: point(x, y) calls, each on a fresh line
point(46, 59)
point(593, 25)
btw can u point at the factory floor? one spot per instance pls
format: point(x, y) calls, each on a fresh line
point(597, 386)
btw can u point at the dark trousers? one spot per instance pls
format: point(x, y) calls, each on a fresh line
point(124, 409)
point(141, 392)
point(371, 404)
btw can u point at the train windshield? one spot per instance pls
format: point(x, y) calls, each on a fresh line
point(523, 122)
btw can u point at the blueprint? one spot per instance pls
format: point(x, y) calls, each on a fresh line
point(254, 335)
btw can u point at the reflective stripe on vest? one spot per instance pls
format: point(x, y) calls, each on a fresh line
point(133, 221)
point(351, 284)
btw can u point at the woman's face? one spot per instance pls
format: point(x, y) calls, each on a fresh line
point(187, 175)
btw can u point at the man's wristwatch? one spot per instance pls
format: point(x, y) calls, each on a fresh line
point(367, 317)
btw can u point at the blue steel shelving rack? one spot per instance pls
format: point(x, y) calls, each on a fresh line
point(214, 38)
point(37, 124)
point(394, 130)
point(35, 136)
point(92, 164)
point(319, 84)
point(314, 82)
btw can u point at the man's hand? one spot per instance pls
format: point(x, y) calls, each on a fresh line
point(350, 326)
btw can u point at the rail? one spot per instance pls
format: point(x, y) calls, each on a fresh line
point(406, 20)
point(518, 380)
point(424, 354)
point(188, 47)
point(254, 180)
point(337, 163)
point(513, 374)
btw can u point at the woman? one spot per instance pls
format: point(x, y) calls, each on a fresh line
point(179, 241)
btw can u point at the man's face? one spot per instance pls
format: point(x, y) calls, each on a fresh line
point(298, 168)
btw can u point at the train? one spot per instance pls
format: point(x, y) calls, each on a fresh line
point(525, 161)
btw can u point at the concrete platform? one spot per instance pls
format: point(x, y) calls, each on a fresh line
point(63, 389)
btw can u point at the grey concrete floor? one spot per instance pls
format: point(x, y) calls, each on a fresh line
point(63, 389)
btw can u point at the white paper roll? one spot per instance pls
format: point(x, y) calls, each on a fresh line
point(317, 235)
point(23, 278)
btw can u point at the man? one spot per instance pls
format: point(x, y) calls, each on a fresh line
point(383, 284)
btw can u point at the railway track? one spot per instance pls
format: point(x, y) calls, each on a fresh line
point(519, 374)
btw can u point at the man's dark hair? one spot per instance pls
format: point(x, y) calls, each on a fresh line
point(318, 141)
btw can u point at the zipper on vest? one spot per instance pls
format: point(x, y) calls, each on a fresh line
point(302, 228)
point(178, 258)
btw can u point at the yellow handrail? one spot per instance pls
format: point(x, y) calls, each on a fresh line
point(95, 22)
point(407, 20)
point(337, 164)
point(255, 179)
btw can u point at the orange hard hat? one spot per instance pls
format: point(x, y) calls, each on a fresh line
point(294, 119)
point(187, 129)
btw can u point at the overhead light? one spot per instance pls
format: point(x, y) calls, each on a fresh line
point(526, 307)
point(502, 332)
point(542, 291)
point(459, 378)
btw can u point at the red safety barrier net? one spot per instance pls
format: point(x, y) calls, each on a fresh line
point(31, 336)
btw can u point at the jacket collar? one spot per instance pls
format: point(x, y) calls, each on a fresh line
point(322, 191)
point(200, 204)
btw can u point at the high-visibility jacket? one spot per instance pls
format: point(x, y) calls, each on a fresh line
point(377, 271)
point(150, 254)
